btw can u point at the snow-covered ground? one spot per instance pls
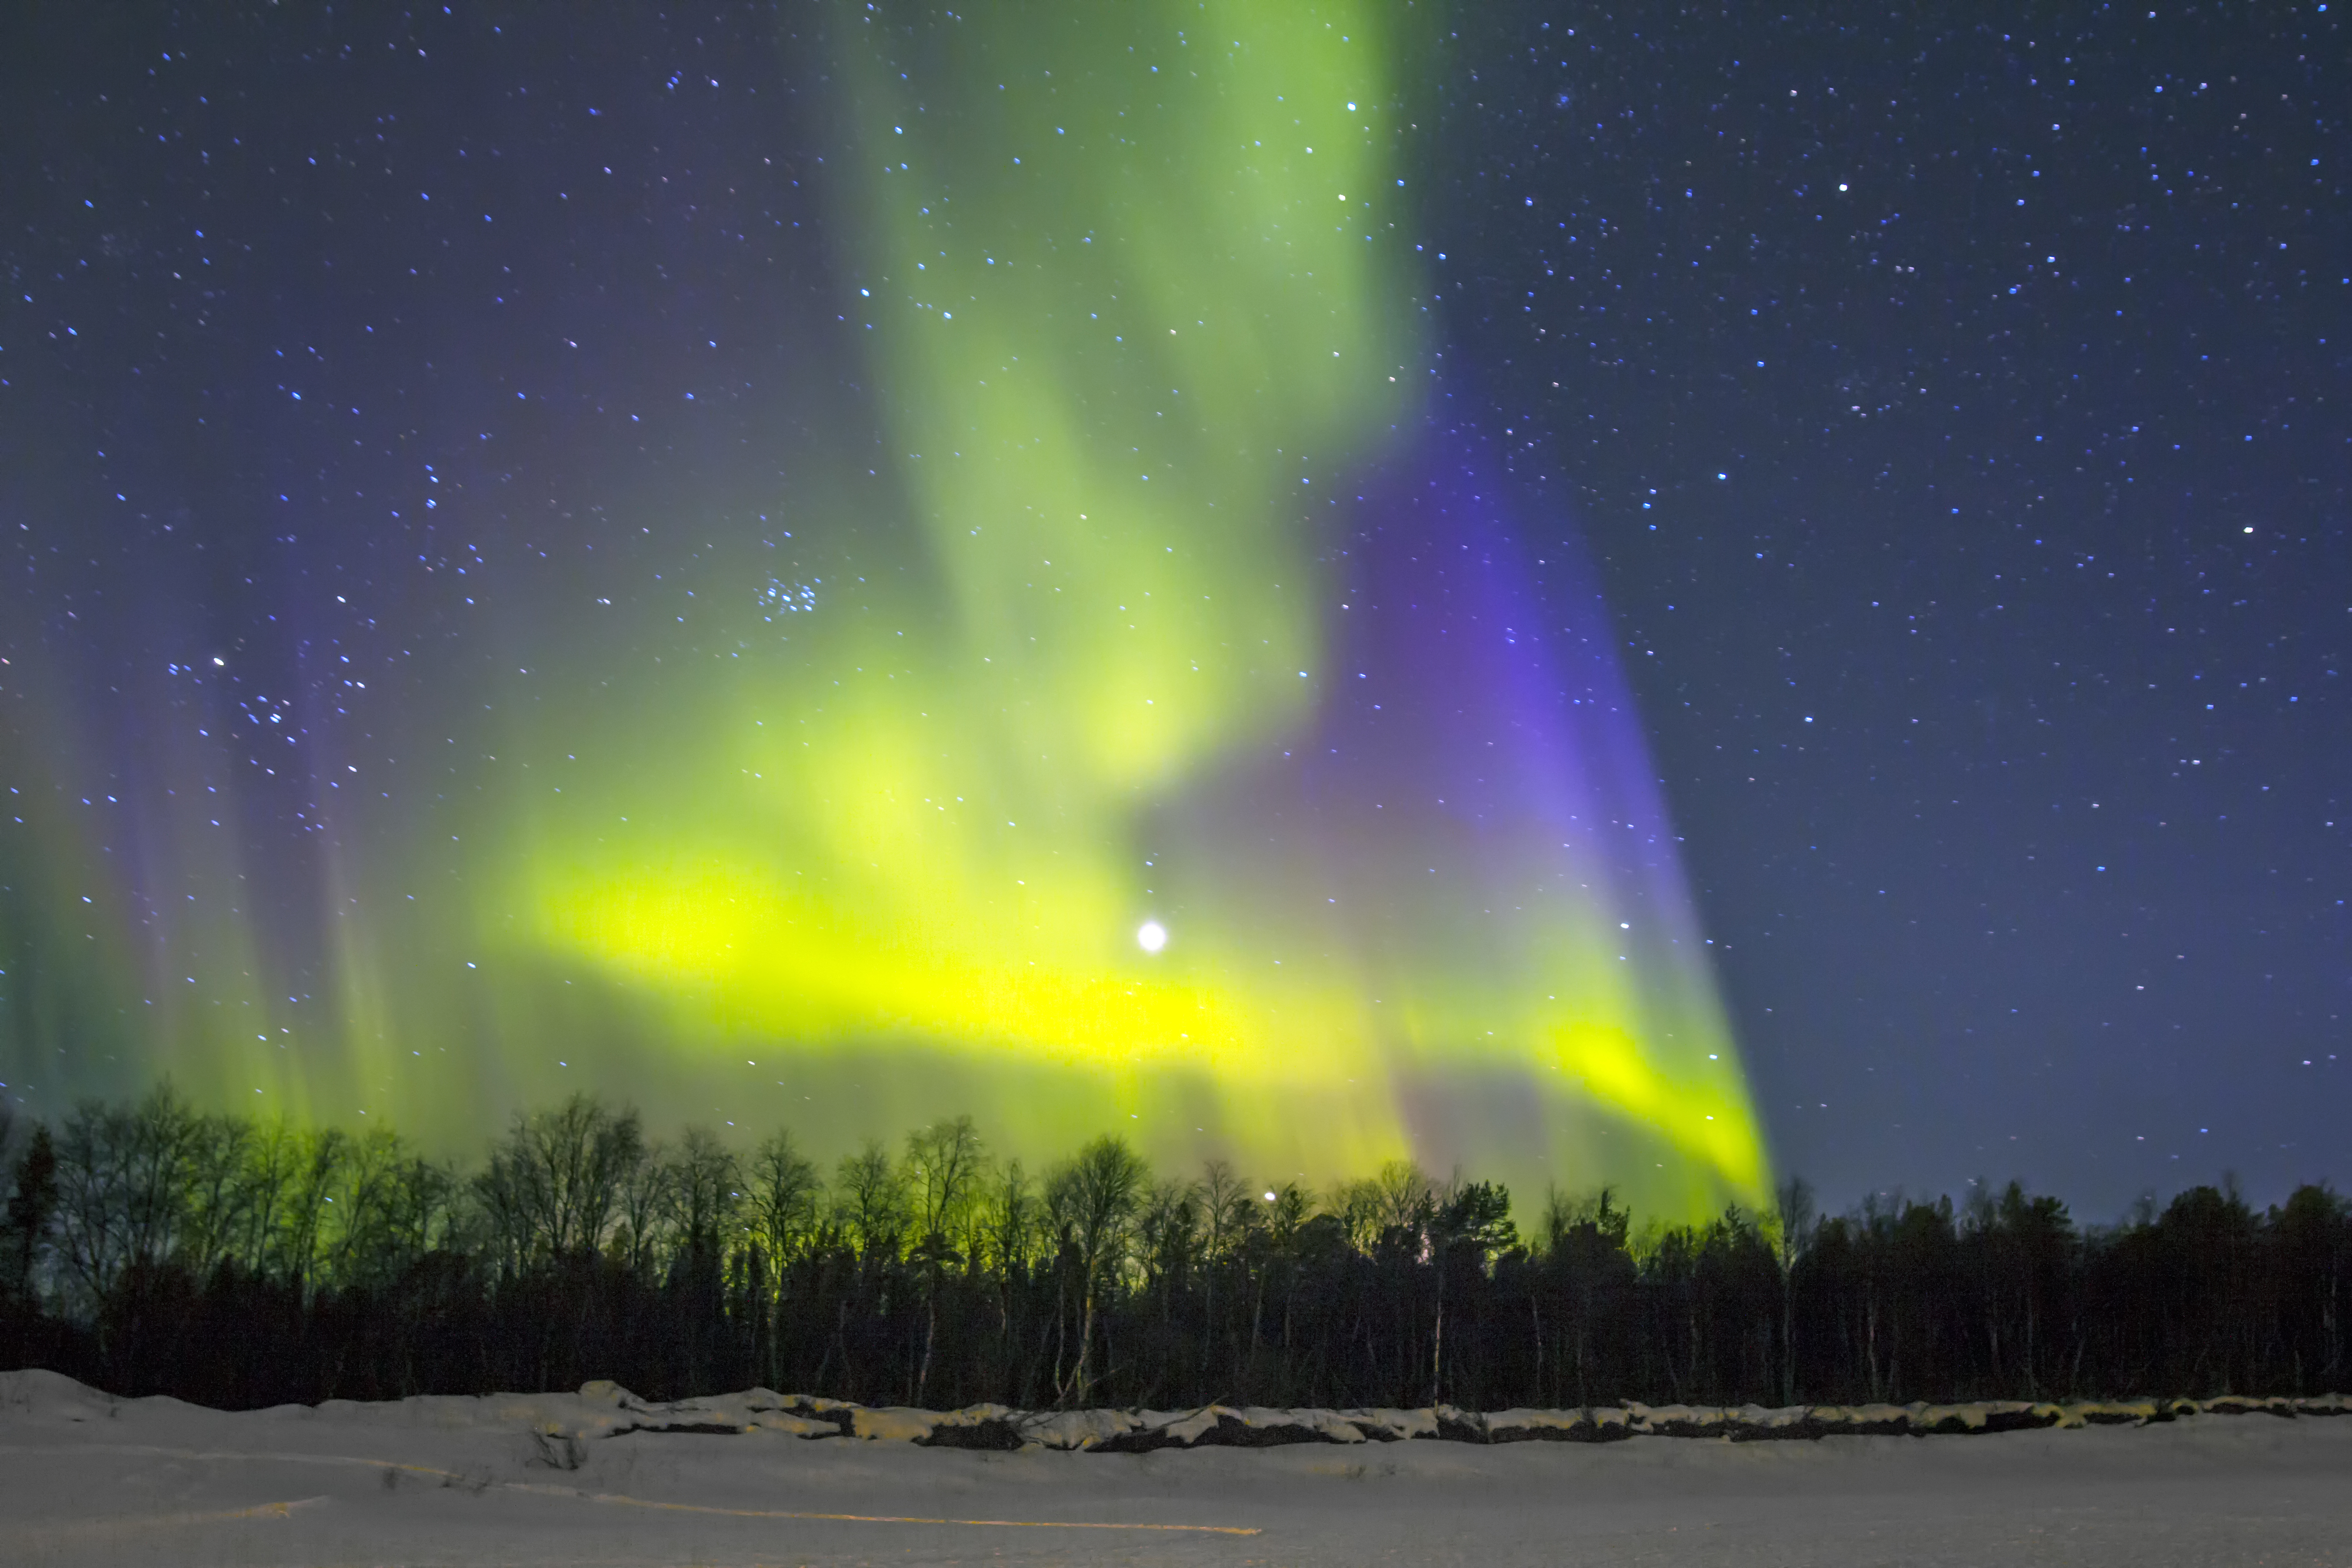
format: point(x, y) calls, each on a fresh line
point(599, 1478)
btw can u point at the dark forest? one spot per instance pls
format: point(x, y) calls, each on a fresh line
point(151, 1248)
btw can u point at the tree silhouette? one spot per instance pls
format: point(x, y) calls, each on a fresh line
point(150, 1249)
point(1091, 1202)
point(945, 1164)
point(32, 1201)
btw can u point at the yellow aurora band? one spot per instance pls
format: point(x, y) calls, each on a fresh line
point(1132, 274)
point(1160, 604)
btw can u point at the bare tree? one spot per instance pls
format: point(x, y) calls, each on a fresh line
point(218, 1193)
point(1281, 1231)
point(1168, 1236)
point(558, 1176)
point(368, 1238)
point(786, 1193)
point(645, 1210)
point(1008, 1221)
point(1404, 1198)
point(121, 1188)
point(786, 1196)
point(1792, 1233)
point(1475, 1216)
point(502, 1201)
point(944, 1165)
point(266, 1176)
point(90, 1204)
point(309, 1197)
point(1092, 1199)
point(423, 1210)
point(1228, 1212)
point(1355, 1205)
point(869, 1198)
point(1391, 1208)
point(706, 1179)
point(708, 1183)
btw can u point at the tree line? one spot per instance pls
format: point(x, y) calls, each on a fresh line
point(152, 1248)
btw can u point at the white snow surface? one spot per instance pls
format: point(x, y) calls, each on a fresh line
point(604, 1478)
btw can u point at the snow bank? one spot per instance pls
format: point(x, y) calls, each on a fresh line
point(91, 1481)
point(560, 1423)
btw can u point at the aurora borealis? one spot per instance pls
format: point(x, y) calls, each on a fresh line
point(738, 557)
point(1137, 582)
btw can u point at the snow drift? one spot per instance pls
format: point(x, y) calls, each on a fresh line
point(602, 1409)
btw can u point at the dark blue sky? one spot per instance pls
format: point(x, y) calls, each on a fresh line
point(1956, 412)
point(1960, 409)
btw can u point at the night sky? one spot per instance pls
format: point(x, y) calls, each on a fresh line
point(1998, 684)
point(1853, 502)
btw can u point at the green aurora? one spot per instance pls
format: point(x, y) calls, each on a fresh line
point(1009, 751)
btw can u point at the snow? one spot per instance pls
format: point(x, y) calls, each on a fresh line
point(602, 1477)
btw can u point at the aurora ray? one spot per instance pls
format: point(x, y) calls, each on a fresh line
point(1145, 599)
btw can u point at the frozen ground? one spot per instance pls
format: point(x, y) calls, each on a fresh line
point(87, 1479)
